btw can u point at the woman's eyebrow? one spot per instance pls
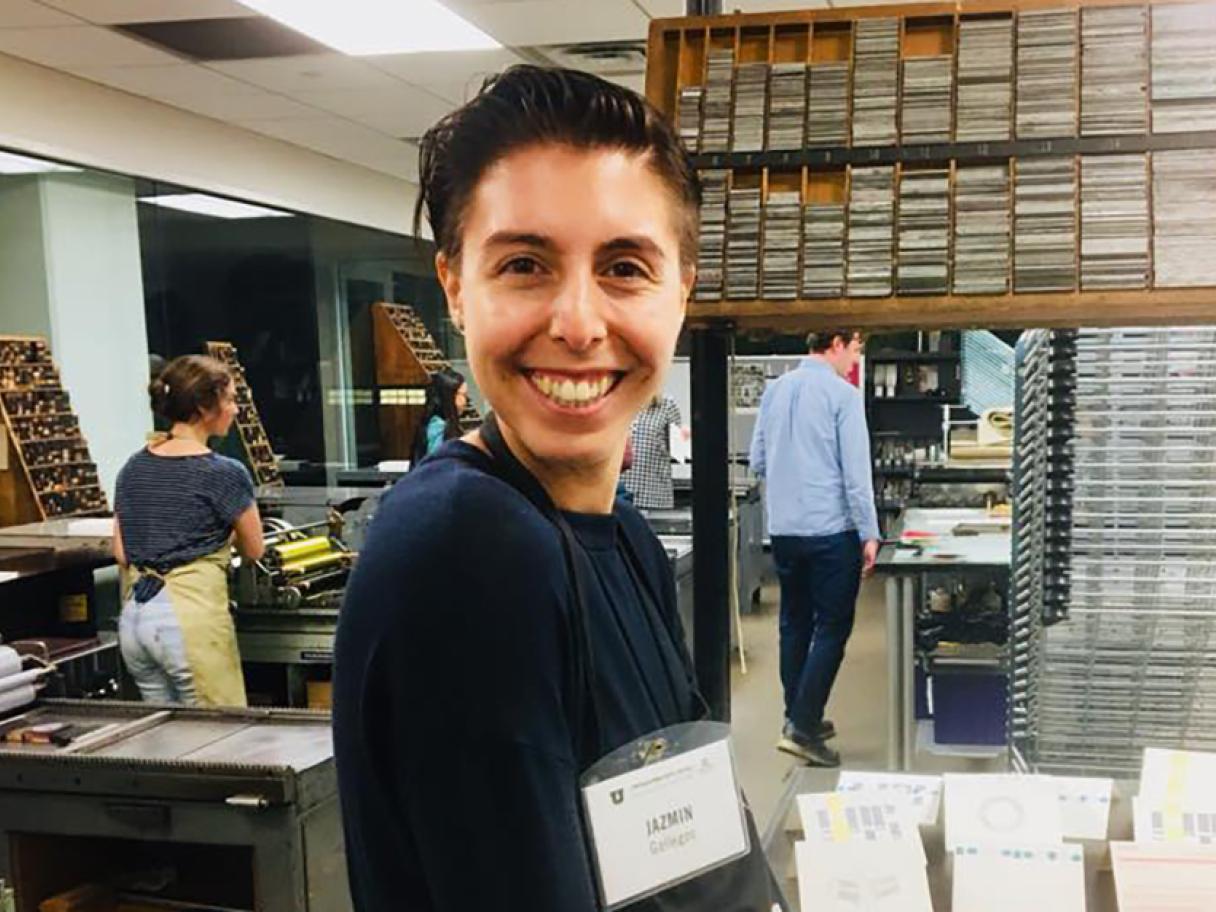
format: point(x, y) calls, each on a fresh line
point(520, 238)
point(637, 243)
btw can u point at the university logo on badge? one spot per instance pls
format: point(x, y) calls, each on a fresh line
point(618, 796)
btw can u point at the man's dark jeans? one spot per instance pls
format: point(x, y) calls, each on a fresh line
point(820, 577)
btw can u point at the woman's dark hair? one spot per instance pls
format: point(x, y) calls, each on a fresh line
point(529, 105)
point(187, 387)
point(440, 401)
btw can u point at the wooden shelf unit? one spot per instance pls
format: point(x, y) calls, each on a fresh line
point(252, 433)
point(46, 477)
point(677, 59)
point(406, 357)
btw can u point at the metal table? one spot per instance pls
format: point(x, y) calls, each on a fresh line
point(749, 550)
point(679, 552)
point(241, 803)
point(786, 828)
point(303, 505)
point(60, 544)
point(904, 571)
point(51, 600)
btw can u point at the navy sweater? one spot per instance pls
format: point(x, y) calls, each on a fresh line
point(454, 695)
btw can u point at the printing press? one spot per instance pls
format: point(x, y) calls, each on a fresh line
point(118, 807)
point(287, 607)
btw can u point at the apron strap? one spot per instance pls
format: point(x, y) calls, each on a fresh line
point(147, 585)
point(587, 711)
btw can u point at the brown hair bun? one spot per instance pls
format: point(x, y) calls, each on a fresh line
point(188, 387)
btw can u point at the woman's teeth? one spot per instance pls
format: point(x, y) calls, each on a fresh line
point(567, 392)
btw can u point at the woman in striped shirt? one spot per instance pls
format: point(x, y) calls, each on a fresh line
point(178, 507)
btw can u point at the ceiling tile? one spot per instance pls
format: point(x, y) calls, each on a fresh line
point(114, 11)
point(307, 73)
point(28, 14)
point(79, 46)
point(402, 164)
point(197, 89)
point(401, 111)
point(252, 104)
point(174, 80)
point(336, 137)
point(634, 81)
point(244, 38)
point(456, 76)
point(525, 23)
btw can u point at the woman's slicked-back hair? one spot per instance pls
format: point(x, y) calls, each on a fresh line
point(527, 106)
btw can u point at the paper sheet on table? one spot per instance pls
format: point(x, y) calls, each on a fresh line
point(93, 527)
point(680, 447)
point(1150, 877)
point(994, 878)
point(6, 575)
point(1084, 806)
point(922, 794)
point(1182, 777)
point(843, 818)
point(860, 877)
point(1158, 821)
point(999, 808)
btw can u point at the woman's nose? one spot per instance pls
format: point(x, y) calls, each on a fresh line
point(577, 318)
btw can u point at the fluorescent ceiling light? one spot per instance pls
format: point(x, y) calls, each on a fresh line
point(11, 163)
point(202, 204)
point(364, 27)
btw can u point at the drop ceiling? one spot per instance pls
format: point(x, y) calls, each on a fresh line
point(365, 110)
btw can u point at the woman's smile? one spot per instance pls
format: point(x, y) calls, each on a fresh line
point(575, 391)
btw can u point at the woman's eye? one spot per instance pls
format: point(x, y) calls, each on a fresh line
point(626, 269)
point(521, 266)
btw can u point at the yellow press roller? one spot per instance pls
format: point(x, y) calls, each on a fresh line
point(315, 562)
point(289, 552)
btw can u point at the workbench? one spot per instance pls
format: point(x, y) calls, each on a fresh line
point(301, 505)
point(50, 600)
point(905, 571)
point(753, 563)
point(239, 806)
point(679, 554)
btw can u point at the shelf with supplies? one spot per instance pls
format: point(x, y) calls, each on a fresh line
point(984, 163)
point(252, 433)
point(900, 471)
point(936, 473)
point(406, 357)
point(910, 394)
point(47, 471)
point(920, 357)
point(911, 399)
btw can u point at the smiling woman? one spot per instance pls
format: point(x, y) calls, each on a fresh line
point(570, 320)
point(509, 623)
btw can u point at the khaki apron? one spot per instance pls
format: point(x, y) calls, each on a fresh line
point(198, 592)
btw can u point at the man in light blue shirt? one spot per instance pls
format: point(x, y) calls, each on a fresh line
point(812, 448)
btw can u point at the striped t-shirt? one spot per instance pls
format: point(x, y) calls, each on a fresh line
point(175, 509)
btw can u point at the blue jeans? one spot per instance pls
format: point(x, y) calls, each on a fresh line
point(820, 577)
point(154, 652)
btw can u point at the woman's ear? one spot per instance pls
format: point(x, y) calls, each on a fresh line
point(688, 281)
point(448, 273)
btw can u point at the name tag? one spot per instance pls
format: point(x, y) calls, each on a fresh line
point(665, 822)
